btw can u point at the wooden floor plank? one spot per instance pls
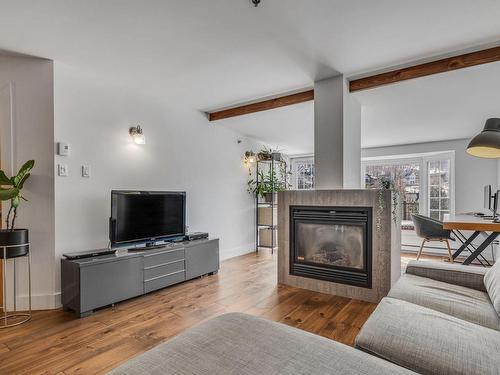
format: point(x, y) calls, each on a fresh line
point(56, 342)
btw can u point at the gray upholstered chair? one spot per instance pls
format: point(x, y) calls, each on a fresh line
point(431, 230)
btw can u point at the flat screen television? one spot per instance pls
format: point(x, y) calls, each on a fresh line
point(146, 216)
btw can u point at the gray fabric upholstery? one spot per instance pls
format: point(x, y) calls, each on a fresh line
point(465, 303)
point(429, 342)
point(467, 276)
point(239, 344)
point(492, 284)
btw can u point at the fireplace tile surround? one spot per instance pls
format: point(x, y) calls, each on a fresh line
point(329, 242)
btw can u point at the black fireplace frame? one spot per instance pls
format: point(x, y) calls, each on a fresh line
point(346, 215)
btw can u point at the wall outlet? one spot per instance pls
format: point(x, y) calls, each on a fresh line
point(62, 149)
point(62, 170)
point(85, 170)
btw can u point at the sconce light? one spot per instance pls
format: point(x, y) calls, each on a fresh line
point(249, 157)
point(137, 135)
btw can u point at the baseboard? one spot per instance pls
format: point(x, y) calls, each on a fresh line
point(237, 251)
point(38, 302)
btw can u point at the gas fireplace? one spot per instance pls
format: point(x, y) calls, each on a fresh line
point(332, 244)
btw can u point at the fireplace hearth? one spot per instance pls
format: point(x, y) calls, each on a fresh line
point(332, 244)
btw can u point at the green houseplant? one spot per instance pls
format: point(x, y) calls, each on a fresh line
point(11, 190)
point(265, 184)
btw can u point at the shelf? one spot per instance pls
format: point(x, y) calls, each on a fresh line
point(268, 226)
point(267, 204)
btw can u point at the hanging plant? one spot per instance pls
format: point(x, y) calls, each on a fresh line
point(384, 185)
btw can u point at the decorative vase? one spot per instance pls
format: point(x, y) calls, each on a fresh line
point(276, 156)
point(12, 238)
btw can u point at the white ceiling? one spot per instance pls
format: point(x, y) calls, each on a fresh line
point(289, 129)
point(445, 106)
point(209, 54)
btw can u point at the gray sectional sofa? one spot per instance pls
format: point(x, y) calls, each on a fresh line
point(240, 344)
point(439, 319)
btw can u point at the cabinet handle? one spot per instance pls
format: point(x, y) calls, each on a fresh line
point(162, 252)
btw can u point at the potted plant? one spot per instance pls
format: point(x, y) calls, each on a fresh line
point(11, 190)
point(268, 183)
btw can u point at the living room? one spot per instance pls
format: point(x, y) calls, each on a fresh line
point(133, 235)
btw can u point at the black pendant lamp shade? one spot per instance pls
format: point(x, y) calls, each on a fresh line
point(487, 143)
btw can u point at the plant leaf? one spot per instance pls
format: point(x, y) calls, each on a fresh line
point(16, 201)
point(25, 169)
point(7, 194)
point(23, 180)
point(4, 180)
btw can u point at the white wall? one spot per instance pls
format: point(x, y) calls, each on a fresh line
point(27, 83)
point(183, 152)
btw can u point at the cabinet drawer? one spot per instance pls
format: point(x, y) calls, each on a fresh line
point(163, 269)
point(163, 281)
point(162, 257)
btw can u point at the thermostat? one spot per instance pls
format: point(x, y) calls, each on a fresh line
point(62, 149)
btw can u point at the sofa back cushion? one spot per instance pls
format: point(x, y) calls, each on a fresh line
point(492, 284)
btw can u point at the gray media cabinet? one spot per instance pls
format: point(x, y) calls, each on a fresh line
point(91, 283)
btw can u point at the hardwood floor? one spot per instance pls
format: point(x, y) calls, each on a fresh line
point(55, 342)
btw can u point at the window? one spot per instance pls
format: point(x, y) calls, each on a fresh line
point(424, 180)
point(405, 176)
point(302, 169)
point(439, 188)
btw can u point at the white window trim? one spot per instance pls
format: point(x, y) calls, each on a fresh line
point(293, 166)
point(423, 160)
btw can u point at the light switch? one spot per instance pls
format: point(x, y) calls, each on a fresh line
point(85, 170)
point(62, 170)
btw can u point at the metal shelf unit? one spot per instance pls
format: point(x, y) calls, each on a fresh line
point(274, 168)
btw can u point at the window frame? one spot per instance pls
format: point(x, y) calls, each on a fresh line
point(423, 159)
point(293, 169)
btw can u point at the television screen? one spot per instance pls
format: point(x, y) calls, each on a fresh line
point(145, 216)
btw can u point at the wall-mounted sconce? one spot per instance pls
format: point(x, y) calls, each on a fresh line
point(250, 157)
point(137, 135)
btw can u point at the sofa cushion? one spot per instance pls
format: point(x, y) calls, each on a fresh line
point(429, 342)
point(245, 345)
point(458, 274)
point(492, 284)
point(464, 303)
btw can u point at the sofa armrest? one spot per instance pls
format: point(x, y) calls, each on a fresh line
point(467, 276)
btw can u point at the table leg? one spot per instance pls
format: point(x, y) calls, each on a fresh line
point(481, 247)
point(462, 238)
point(466, 244)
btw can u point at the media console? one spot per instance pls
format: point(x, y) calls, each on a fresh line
point(90, 283)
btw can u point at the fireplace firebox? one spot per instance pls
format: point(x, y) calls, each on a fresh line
point(332, 244)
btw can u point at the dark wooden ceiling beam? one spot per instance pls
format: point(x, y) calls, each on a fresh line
point(421, 70)
point(264, 105)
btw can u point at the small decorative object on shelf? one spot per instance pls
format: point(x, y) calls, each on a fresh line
point(14, 242)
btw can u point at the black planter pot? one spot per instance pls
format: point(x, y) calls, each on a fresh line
point(13, 238)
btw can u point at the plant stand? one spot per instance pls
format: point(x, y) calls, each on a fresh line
point(24, 316)
point(266, 211)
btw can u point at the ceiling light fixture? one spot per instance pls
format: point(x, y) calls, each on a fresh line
point(256, 3)
point(487, 143)
point(137, 135)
